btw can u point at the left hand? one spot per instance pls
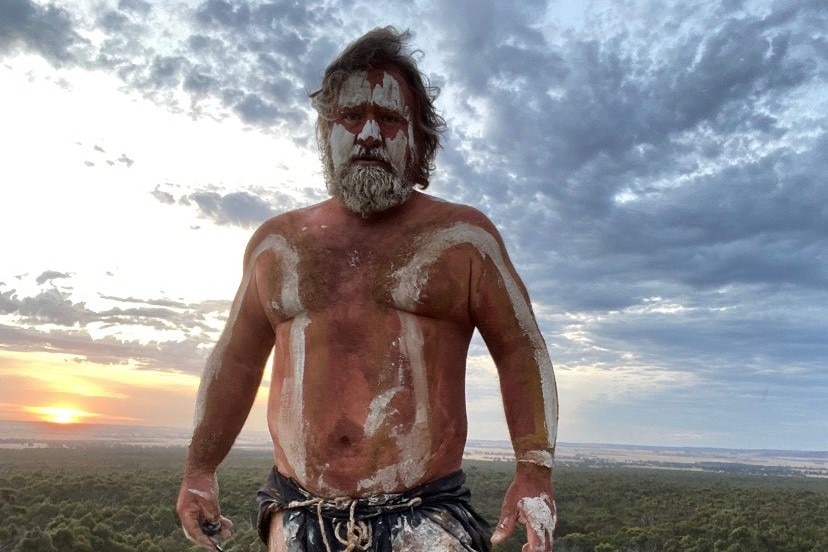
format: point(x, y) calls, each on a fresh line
point(530, 500)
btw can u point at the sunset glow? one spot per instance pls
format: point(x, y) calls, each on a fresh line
point(63, 415)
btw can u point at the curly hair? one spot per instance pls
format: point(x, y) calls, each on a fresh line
point(385, 47)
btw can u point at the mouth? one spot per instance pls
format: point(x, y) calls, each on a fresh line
point(372, 159)
point(376, 153)
point(369, 162)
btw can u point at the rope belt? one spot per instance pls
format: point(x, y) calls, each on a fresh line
point(357, 533)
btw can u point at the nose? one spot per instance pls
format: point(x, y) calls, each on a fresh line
point(370, 134)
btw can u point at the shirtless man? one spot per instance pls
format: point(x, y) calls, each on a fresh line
point(370, 299)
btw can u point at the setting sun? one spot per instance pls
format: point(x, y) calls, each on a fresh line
point(63, 415)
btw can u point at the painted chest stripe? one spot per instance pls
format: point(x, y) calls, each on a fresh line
point(289, 297)
point(412, 278)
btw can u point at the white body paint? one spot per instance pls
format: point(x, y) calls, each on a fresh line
point(289, 303)
point(540, 457)
point(538, 516)
point(429, 537)
point(292, 399)
point(414, 446)
point(412, 278)
point(202, 494)
point(378, 411)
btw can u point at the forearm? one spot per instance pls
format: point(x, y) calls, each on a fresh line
point(225, 398)
point(531, 403)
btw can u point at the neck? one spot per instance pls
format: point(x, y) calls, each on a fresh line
point(380, 216)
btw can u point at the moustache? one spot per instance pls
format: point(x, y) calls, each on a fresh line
point(361, 153)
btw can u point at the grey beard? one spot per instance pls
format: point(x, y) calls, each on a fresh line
point(365, 190)
point(369, 190)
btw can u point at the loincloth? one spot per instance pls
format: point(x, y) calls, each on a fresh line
point(372, 523)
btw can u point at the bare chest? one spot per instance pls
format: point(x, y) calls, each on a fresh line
point(350, 276)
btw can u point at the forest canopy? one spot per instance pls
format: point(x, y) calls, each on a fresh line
point(120, 499)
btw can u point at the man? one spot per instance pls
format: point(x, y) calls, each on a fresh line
point(370, 299)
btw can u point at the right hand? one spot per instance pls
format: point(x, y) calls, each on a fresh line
point(198, 504)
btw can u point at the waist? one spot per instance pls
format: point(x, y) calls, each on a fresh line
point(287, 494)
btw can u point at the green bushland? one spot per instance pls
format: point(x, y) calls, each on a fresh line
point(120, 498)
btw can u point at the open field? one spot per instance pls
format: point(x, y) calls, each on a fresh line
point(17, 435)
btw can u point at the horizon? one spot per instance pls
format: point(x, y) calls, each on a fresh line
point(656, 170)
point(79, 427)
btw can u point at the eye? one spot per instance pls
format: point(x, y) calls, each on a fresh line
point(392, 119)
point(351, 117)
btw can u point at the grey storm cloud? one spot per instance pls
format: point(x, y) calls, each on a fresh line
point(667, 151)
point(48, 30)
point(244, 209)
point(239, 208)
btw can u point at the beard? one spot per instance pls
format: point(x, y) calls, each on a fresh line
point(366, 190)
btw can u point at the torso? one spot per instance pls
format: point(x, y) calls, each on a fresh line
point(372, 327)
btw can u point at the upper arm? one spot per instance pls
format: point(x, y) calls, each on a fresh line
point(502, 312)
point(249, 333)
point(500, 305)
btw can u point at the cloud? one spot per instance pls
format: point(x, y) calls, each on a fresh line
point(238, 208)
point(47, 30)
point(50, 321)
point(50, 275)
point(244, 209)
point(662, 151)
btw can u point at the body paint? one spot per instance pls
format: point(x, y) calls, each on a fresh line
point(539, 517)
point(288, 304)
point(292, 399)
point(539, 457)
point(428, 536)
point(413, 277)
point(378, 410)
point(414, 446)
point(357, 91)
point(342, 144)
point(202, 494)
point(289, 297)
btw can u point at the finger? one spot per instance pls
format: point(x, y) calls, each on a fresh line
point(226, 528)
point(506, 525)
point(535, 542)
point(539, 517)
point(198, 537)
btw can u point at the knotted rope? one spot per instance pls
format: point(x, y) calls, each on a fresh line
point(358, 534)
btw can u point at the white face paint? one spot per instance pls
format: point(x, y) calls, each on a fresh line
point(356, 91)
point(412, 278)
point(342, 144)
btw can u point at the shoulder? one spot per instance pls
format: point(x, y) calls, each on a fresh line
point(464, 222)
point(281, 231)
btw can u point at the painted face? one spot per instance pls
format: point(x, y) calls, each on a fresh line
point(373, 112)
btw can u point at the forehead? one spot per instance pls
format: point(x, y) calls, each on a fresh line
point(384, 87)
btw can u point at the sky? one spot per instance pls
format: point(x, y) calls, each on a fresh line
point(656, 168)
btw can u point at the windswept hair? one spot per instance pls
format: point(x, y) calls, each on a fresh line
point(385, 47)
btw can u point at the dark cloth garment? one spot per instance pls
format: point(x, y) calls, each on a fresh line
point(445, 502)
